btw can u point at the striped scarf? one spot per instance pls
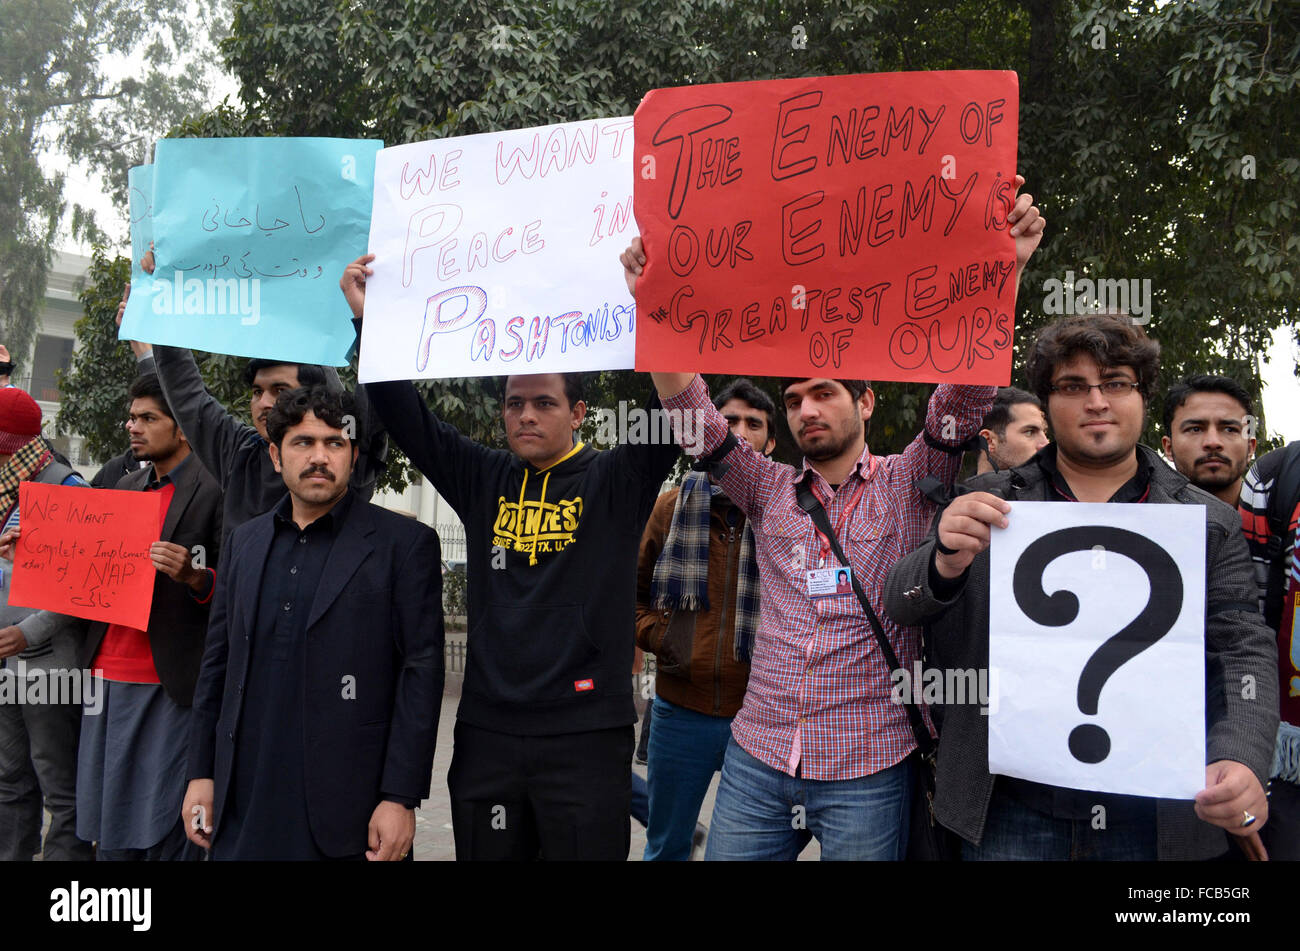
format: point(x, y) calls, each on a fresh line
point(24, 464)
point(681, 575)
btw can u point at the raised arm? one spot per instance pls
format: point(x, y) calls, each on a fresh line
point(633, 260)
point(212, 432)
point(953, 415)
point(451, 461)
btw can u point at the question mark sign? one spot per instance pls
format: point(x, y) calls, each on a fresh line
point(1089, 743)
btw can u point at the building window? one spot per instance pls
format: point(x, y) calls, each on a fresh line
point(52, 353)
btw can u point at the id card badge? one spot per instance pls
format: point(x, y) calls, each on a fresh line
point(830, 582)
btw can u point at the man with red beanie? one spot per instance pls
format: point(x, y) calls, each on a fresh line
point(38, 741)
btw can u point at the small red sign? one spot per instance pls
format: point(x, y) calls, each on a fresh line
point(581, 685)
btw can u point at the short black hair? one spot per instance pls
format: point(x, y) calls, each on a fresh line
point(742, 388)
point(148, 386)
point(855, 387)
point(574, 387)
point(309, 374)
point(333, 407)
point(999, 417)
point(1203, 383)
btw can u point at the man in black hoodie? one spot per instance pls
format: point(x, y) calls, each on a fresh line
point(544, 730)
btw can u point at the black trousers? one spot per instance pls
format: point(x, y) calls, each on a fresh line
point(1281, 834)
point(557, 798)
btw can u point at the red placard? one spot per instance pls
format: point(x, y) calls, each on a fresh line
point(85, 552)
point(843, 226)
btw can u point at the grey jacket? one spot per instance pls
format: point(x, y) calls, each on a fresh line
point(1237, 644)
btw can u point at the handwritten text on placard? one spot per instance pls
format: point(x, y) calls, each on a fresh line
point(848, 226)
point(498, 253)
point(85, 552)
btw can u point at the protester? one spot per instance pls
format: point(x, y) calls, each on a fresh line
point(131, 767)
point(6, 367)
point(38, 741)
point(316, 710)
point(817, 749)
point(697, 600)
point(1209, 433)
point(544, 730)
point(1269, 507)
point(1095, 375)
point(1013, 430)
point(236, 453)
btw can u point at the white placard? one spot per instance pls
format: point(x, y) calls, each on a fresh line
point(498, 254)
point(1065, 578)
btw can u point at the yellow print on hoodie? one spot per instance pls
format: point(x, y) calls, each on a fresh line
point(536, 526)
point(539, 526)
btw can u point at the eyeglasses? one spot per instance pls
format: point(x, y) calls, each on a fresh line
point(1110, 389)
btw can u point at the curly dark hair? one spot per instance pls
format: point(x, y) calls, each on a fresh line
point(332, 407)
point(1111, 340)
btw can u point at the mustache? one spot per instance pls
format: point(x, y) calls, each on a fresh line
point(1213, 457)
point(317, 470)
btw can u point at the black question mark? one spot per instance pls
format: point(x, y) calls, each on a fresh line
point(1089, 743)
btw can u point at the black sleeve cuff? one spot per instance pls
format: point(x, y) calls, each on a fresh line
point(945, 589)
point(402, 801)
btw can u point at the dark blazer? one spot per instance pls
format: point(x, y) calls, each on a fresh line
point(376, 615)
point(1237, 644)
point(178, 623)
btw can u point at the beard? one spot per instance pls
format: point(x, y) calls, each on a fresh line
point(830, 445)
point(1213, 482)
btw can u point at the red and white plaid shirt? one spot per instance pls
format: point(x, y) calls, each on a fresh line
point(819, 689)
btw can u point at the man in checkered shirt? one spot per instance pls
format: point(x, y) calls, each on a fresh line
point(818, 748)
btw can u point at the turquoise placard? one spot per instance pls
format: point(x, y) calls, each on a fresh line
point(250, 239)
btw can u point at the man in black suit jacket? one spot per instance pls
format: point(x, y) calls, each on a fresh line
point(317, 705)
point(132, 758)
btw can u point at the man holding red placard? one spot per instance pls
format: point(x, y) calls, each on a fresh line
point(131, 763)
point(817, 728)
point(38, 741)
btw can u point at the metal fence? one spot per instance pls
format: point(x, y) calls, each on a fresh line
point(452, 537)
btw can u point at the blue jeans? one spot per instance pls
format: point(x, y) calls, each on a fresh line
point(640, 801)
point(763, 814)
point(686, 749)
point(1015, 832)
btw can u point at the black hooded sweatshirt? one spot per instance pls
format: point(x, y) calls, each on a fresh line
point(551, 573)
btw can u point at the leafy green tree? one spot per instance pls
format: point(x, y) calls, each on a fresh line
point(1134, 137)
point(55, 95)
point(102, 366)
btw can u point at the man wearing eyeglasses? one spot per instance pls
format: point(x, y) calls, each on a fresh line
point(1095, 375)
